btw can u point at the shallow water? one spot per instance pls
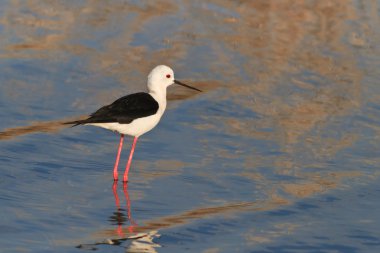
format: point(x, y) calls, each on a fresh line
point(280, 153)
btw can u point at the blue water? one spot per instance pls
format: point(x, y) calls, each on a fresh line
point(279, 153)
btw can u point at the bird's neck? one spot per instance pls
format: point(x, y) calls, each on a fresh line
point(160, 97)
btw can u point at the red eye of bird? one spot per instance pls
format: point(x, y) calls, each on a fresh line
point(168, 76)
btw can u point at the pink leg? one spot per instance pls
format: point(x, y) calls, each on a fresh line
point(115, 174)
point(130, 160)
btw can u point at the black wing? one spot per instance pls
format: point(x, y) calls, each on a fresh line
point(124, 110)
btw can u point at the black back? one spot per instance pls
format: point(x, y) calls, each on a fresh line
point(124, 110)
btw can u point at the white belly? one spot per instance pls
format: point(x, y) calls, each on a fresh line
point(135, 128)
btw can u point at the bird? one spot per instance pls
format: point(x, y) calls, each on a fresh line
point(135, 114)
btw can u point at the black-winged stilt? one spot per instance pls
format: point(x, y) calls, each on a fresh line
point(135, 114)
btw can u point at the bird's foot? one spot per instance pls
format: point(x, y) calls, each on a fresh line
point(115, 177)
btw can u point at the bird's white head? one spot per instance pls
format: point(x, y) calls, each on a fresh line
point(160, 78)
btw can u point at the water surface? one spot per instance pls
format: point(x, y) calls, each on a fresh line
point(280, 153)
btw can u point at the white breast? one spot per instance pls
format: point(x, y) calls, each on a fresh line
point(135, 128)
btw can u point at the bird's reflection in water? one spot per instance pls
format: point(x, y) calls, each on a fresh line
point(126, 236)
point(121, 216)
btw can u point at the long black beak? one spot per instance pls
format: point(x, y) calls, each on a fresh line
point(185, 85)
